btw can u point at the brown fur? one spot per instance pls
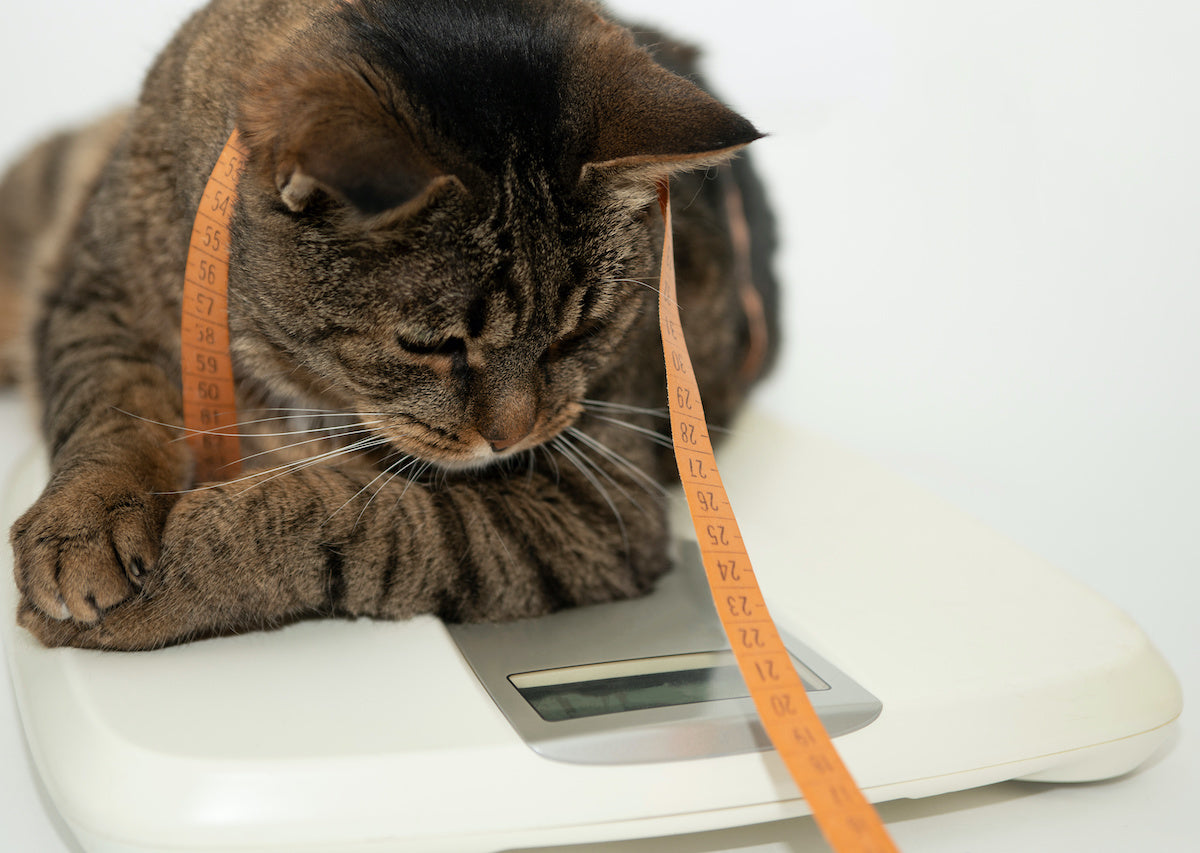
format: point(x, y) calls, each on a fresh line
point(458, 274)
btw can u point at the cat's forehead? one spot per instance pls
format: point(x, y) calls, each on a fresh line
point(495, 78)
point(486, 311)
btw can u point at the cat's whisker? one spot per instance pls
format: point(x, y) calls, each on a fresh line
point(325, 432)
point(530, 464)
point(653, 435)
point(647, 482)
point(622, 407)
point(256, 478)
point(360, 429)
point(422, 470)
point(636, 281)
point(441, 476)
point(553, 462)
point(358, 493)
point(390, 472)
point(301, 411)
point(658, 413)
point(235, 428)
point(630, 281)
point(656, 291)
point(145, 420)
point(302, 464)
point(564, 446)
point(393, 471)
point(581, 448)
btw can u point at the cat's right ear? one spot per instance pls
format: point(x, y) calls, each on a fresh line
point(649, 121)
point(323, 129)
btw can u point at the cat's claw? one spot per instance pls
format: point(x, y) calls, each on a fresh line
point(53, 633)
point(61, 612)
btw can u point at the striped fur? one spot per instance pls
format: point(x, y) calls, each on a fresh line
point(442, 312)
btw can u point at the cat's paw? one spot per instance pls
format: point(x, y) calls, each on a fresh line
point(140, 623)
point(142, 615)
point(55, 632)
point(89, 543)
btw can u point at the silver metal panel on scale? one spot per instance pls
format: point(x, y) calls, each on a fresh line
point(646, 680)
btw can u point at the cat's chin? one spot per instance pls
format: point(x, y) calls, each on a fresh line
point(478, 459)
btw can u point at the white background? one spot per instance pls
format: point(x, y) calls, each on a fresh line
point(991, 217)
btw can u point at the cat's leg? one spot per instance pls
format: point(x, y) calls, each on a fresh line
point(332, 542)
point(41, 197)
point(105, 368)
point(92, 538)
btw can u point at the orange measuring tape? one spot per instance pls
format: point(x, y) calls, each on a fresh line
point(209, 395)
point(848, 821)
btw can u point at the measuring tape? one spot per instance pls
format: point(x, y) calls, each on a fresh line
point(209, 396)
point(849, 823)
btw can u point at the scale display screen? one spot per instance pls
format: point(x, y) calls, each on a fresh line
point(591, 690)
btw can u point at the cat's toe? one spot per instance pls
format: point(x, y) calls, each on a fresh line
point(50, 632)
point(74, 579)
point(78, 554)
point(54, 633)
point(91, 581)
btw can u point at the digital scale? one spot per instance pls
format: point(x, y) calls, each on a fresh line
point(939, 655)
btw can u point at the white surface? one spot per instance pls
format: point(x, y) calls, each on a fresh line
point(315, 737)
point(990, 214)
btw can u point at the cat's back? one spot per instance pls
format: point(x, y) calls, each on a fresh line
point(120, 175)
point(42, 197)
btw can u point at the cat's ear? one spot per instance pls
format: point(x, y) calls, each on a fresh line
point(651, 120)
point(326, 129)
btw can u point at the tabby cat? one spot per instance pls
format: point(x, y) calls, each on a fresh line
point(442, 313)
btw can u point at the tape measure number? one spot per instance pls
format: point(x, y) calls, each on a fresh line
point(209, 395)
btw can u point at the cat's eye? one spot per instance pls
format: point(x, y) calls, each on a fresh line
point(576, 339)
point(585, 330)
point(587, 326)
point(444, 347)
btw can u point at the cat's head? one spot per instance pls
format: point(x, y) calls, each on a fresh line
point(446, 216)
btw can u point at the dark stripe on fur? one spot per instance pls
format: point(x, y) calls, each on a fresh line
point(556, 594)
point(391, 568)
point(335, 579)
point(467, 588)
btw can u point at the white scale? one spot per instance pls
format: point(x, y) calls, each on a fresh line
point(941, 656)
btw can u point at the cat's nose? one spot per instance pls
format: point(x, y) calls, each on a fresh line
point(506, 426)
point(501, 441)
point(502, 444)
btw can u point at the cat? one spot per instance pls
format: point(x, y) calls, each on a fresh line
point(442, 313)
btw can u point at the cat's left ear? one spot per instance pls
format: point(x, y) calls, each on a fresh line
point(321, 129)
point(652, 121)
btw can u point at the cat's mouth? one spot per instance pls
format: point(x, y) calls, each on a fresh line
point(468, 449)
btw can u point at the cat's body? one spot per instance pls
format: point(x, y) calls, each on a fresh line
point(443, 256)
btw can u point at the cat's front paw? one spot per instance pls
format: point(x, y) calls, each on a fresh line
point(55, 632)
point(89, 543)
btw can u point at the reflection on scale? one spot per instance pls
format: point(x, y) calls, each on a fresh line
point(591, 690)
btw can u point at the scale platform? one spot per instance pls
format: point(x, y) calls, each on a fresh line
point(944, 657)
